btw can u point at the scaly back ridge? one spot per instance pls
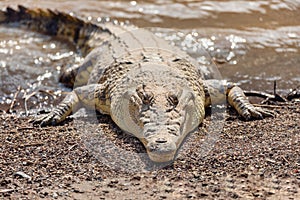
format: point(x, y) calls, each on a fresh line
point(53, 23)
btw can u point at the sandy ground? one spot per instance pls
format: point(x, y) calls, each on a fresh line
point(257, 159)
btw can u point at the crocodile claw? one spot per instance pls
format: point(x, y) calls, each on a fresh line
point(46, 119)
point(252, 112)
point(240, 102)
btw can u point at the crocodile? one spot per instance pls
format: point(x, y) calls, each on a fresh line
point(151, 89)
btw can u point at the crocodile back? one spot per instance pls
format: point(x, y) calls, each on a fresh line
point(131, 47)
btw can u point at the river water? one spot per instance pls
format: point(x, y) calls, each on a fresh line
point(253, 43)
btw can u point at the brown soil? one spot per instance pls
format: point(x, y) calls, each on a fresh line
point(252, 160)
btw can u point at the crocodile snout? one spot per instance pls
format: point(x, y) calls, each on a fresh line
point(161, 149)
point(161, 140)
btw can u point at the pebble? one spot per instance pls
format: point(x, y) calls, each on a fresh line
point(154, 191)
point(168, 183)
point(114, 181)
point(55, 195)
point(234, 195)
point(276, 181)
point(191, 195)
point(230, 180)
point(105, 191)
point(137, 178)
point(230, 185)
point(169, 190)
point(271, 192)
point(78, 190)
point(196, 174)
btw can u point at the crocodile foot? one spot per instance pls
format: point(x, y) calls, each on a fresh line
point(252, 112)
point(46, 119)
point(240, 102)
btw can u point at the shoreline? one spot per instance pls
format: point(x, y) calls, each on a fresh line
point(257, 159)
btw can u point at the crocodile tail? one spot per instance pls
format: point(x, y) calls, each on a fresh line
point(53, 23)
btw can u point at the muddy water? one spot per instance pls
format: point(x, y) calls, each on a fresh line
point(253, 43)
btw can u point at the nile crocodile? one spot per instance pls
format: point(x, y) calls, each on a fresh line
point(149, 88)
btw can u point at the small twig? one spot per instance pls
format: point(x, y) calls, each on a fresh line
point(270, 160)
point(267, 106)
point(27, 97)
point(25, 128)
point(23, 175)
point(274, 89)
point(6, 190)
point(295, 93)
point(14, 99)
point(72, 147)
point(32, 144)
point(277, 96)
point(284, 158)
point(259, 94)
point(50, 93)
point(267, 97)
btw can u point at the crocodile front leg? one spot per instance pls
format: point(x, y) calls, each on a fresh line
point(88, 96)
point(78, 75)
point(237, 99)
point(218, 91)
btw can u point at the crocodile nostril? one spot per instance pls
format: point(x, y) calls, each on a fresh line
point(160, 140)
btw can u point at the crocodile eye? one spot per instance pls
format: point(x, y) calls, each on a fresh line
point(173, 100)
point(146, 97)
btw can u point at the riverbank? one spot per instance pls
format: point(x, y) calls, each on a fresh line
point(251, 160)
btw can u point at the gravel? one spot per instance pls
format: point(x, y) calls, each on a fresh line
point(257, 159)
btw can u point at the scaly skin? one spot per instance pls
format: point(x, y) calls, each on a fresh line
point(149, 88)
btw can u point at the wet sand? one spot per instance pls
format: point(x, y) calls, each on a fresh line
point(257, 159)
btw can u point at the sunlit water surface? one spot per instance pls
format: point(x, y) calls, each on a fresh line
point(253, 43)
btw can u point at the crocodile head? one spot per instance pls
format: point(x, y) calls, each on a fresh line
point(160, 109)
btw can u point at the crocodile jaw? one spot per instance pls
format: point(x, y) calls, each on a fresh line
point(162, 157)
point(163, 144)
point(161, 152)
point(160, 149)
